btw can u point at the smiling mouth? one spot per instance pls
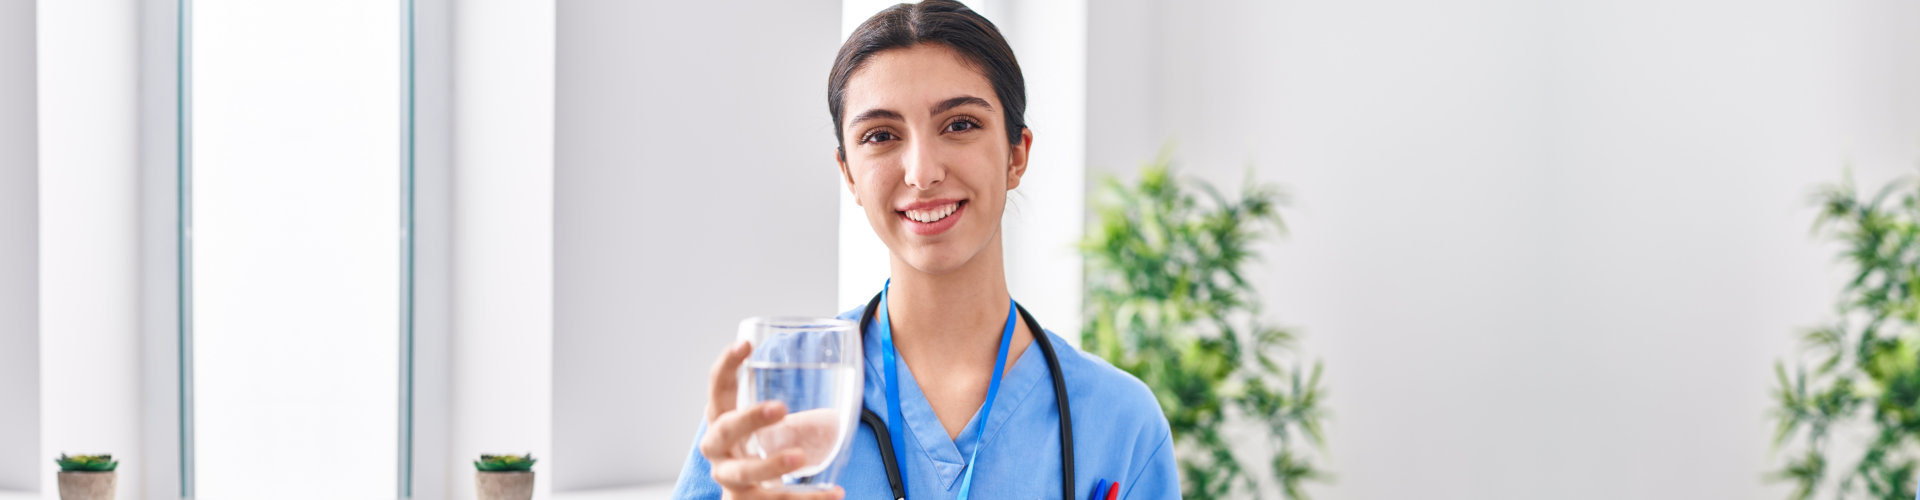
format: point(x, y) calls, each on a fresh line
point(934, 214)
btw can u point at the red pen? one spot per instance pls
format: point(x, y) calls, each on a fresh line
point(1113, 490)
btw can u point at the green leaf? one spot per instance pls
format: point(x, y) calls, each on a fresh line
point(86, 463)
point(1866, 373)
point(505, 463)
point(1169, 301)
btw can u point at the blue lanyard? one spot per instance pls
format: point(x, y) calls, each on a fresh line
point(895, 422)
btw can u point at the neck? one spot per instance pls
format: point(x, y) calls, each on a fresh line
point(961, 311)
point(948, 326)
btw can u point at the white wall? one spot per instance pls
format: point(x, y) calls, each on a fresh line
point(19, 253)
point(89, 350)
point(1681, 169)
point(502, 226)
point(695, 186)
point(1540, 247)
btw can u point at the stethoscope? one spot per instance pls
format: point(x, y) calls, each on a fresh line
point(1059, 397)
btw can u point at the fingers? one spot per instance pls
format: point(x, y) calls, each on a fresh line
point(724, 381)
point(751, 472)
point(745, 477)
point(834, 494)
point(726, 433)
point(728, 429)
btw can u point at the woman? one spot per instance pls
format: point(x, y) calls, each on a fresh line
point(927, 102)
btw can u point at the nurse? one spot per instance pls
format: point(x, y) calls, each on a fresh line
point(927, 103)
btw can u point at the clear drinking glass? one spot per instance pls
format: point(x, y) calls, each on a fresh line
point(814, 365)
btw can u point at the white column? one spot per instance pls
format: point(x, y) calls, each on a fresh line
point(502, 275)
point(88, 230)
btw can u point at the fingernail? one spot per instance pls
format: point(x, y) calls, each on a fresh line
point(738, 346)
point(772, 410)
point(793, 459)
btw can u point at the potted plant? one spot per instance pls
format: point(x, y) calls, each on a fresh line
point(504, 477)
point(1169, 300)
point(86, 477)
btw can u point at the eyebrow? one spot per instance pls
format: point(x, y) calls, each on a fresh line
point(874, 114)
point(956, 102)
point(942, 107)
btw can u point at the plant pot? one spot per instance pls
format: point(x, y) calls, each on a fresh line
point(503, 485)
point(78, 485)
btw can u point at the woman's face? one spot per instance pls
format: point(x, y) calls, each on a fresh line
point(927, 156)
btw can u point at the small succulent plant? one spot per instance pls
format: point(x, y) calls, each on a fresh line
point(504, 463)
point(86, 463)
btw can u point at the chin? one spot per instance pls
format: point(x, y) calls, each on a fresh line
point(936, 260)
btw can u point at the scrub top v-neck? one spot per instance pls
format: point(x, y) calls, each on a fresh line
point(1119, 435)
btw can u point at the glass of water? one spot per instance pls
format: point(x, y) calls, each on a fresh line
point(814, 366)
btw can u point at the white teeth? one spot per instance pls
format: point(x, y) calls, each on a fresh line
point(935, 215)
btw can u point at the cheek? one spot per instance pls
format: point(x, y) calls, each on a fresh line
point(873, 188)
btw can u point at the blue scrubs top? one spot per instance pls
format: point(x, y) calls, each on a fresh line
point(1119, 434)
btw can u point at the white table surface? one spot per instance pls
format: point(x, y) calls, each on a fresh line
point(648, 492)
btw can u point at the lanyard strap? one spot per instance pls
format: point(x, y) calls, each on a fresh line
point(895, 422)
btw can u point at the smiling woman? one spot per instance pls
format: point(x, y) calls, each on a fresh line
point(924, 140)
point(928, 104)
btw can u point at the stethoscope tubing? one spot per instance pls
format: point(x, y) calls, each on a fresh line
point(885, 440)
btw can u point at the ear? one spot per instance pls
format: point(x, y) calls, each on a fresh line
point(1017, 159)
point(840, 156)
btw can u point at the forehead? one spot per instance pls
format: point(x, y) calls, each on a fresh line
point(911, 80)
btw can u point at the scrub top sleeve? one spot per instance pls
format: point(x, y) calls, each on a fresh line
point(1158, 477)
point(696, 477)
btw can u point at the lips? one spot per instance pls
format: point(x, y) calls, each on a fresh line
point(931, 218)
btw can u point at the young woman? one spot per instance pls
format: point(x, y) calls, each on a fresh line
point(927, 102)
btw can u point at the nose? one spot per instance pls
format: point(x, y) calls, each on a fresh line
point(923, 166)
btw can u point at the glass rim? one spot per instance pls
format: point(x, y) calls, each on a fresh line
point(800, 323)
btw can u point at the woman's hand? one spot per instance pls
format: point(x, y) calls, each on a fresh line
point(738, 472)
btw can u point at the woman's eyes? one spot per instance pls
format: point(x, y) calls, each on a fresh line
point(960, 125)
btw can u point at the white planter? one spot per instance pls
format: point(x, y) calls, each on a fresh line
point(86, 485)
point(501, 485)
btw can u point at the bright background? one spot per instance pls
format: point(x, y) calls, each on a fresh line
point(1545, 249)
point(296, 291)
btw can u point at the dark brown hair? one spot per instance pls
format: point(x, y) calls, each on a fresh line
point(944, 22)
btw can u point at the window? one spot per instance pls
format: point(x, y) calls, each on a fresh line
point(296, 272)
